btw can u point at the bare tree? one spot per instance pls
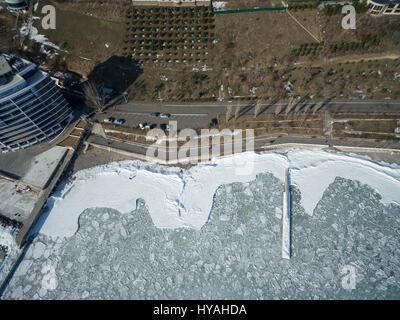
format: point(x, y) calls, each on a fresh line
point(228, 113)
point(237, 111)
point(278, 109)
point(93, 96)
point(289, 106)
point(318, 107)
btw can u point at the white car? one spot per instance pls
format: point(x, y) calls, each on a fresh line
point(165, 115)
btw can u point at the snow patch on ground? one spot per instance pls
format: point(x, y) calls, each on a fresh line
point(218, 5)
point(33, 34)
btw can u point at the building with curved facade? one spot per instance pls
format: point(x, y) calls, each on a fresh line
point(17, 4)
point(384, 7)
point(32, 109)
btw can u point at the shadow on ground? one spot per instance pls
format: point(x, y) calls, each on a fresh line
point(118, 73)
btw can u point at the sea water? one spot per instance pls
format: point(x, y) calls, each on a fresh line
point(236, 254)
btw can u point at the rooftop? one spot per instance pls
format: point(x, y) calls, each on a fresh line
point(385, 1)
point(4, 66)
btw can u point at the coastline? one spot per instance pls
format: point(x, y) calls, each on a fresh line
point(169, 191)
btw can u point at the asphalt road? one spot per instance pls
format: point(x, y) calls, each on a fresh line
point(200, 115)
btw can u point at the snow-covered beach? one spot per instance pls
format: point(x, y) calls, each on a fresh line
point(183, 198)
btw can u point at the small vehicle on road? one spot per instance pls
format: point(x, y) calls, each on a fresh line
point(119, 121)
point(154, 114)
point(165, 115)
point(214, 122)
point(109, 120)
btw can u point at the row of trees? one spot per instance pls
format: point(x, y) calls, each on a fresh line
point(147, 35)
point(170, 15)
point(150, 52)
point(154, 10)
point(176, 35)
point(308, 48)
point(137, 29)
point(366, 42)
point(170, 21)
point(301, 6)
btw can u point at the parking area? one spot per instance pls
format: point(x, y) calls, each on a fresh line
point(156, 119)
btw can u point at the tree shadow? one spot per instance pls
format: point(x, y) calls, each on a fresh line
point(269, 105)
point(246, 109)
point(117, 73)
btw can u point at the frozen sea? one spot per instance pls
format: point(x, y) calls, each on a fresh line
point(235, 255)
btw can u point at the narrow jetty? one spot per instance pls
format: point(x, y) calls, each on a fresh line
point(286, 219)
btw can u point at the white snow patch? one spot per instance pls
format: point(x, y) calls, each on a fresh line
point(313, 171)
point(178, 198)
point(175, 198)
point(34, 35)
point(218, 5)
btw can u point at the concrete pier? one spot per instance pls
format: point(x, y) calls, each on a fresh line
point(286, 219)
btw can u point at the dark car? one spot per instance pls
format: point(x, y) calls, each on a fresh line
point(109, 120)
point(154, 114)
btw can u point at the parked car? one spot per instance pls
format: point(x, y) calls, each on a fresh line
point(165, 115)
point(214, 121)
point(109, 120)
point(163, 126)
point(142, 125)
point(119, 121)
point(154, 114)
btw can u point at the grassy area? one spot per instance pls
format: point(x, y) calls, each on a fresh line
point(259, 55)
point(83, 36)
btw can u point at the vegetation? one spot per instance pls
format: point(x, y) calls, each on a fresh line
point(169, 34)
point(301, 5)
point(93, 96)
point(366, 42)
point(308, 48)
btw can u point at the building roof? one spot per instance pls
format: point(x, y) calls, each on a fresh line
point(385, 1)
point(4, 66)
